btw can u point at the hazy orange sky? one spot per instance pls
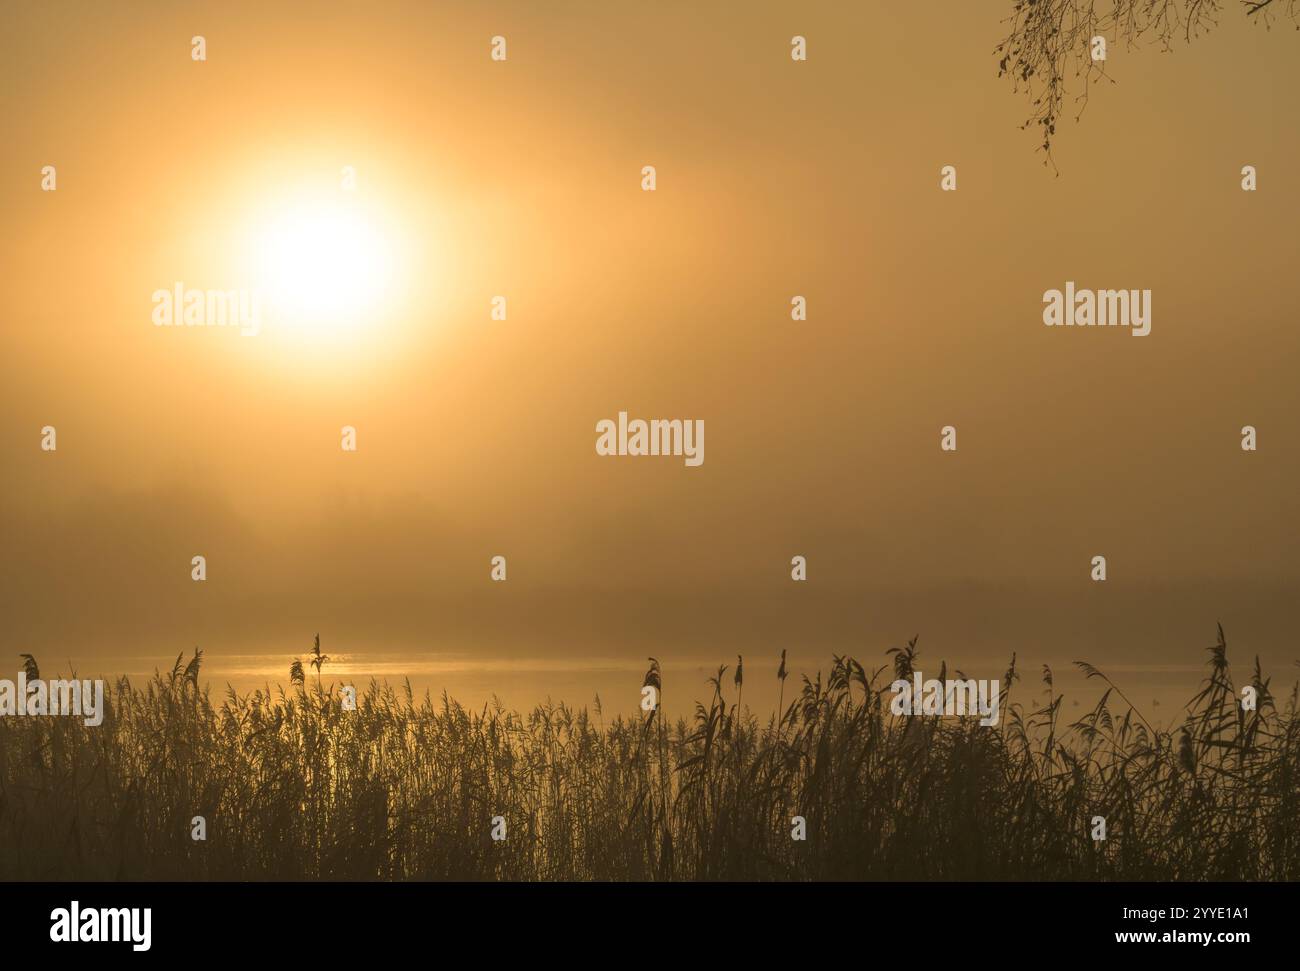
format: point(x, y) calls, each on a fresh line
point(475, 437)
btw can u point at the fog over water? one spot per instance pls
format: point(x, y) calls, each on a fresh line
point(478, 438)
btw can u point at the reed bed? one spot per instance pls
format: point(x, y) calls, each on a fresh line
point(294, 787)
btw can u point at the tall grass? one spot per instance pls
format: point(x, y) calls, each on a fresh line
point(294, 787)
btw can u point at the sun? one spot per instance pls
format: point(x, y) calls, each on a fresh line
point(325, 266)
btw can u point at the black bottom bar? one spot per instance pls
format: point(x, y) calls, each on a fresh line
point(610, 922)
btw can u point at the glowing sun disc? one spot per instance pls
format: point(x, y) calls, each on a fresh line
point(323, 265)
